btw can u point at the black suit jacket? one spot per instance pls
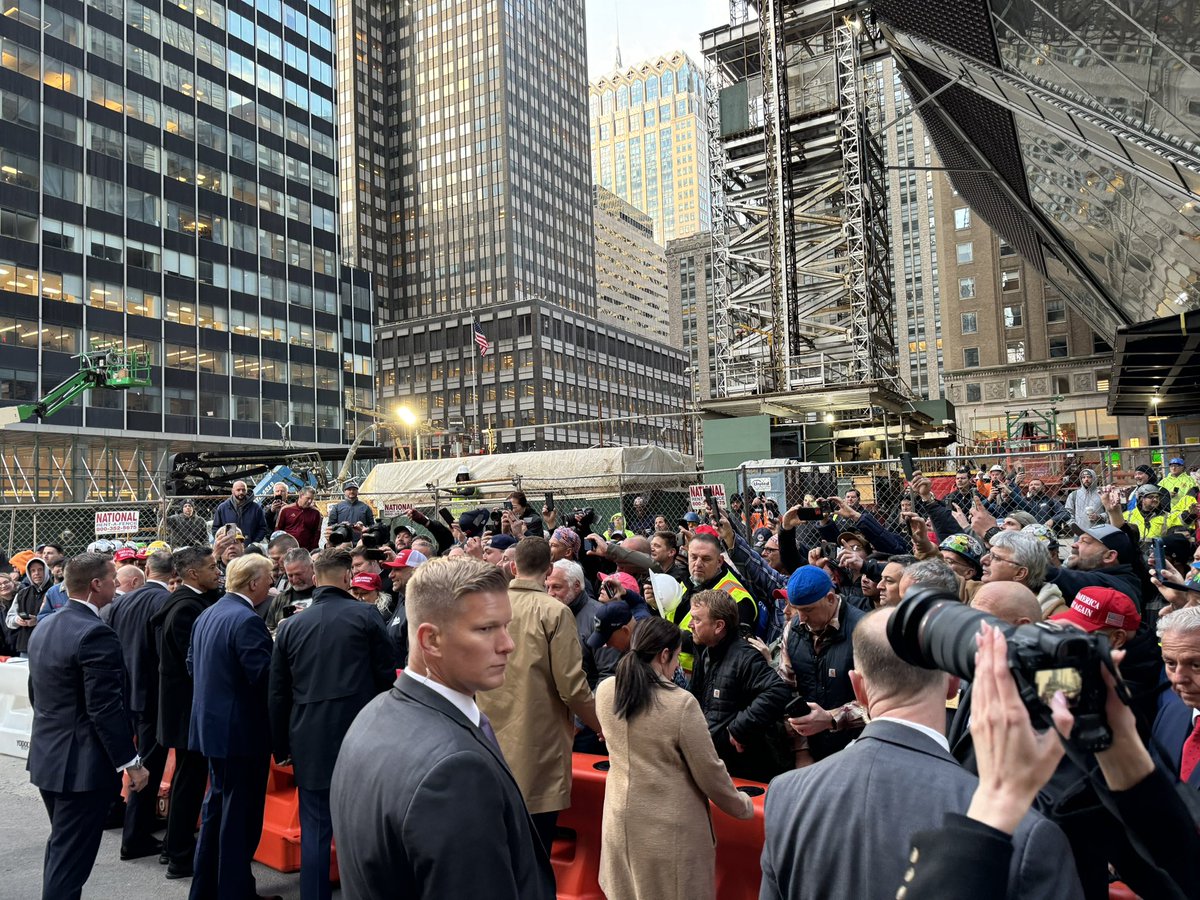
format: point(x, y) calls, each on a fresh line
point(172, 626)
point(81, 730)
point(424, 804)
point(1171, 730)
point(329, 661)
point(130, 618)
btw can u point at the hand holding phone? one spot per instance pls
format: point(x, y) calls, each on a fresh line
point(906, 463)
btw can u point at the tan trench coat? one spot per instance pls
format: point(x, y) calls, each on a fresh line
point(532, 711)
point(657, 840)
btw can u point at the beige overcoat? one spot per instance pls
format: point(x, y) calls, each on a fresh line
point(657, 839)
point(532, 711)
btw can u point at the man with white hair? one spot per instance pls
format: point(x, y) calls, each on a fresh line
point(566, 583)
point(1021, 557)
point(1177, 727)
point(129, 578)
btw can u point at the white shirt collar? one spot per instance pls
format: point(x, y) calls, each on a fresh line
point(462, 702)
point(924, 729)
point(90, 606)
point(1195, 716)
point(249, 602)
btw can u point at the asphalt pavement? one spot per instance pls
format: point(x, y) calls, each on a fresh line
point(24, 828)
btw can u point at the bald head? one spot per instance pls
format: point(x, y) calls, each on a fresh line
point(636, 544)
point(1008, 600)
point(129, 578)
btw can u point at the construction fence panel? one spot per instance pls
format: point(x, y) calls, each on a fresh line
point(882, 486)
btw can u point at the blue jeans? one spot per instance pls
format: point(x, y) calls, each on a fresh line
point(316, 836)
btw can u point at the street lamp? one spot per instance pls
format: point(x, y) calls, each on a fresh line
point(409, 418)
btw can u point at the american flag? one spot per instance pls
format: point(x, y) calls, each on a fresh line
point(481, 340)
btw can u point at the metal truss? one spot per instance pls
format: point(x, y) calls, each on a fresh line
point(806, 300)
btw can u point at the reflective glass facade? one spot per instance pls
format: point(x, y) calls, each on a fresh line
point(1084, 117)
point(168, 184)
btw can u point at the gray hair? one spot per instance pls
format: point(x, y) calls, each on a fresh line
point(573, 571)
point(298, 554)
point(1028, 551)
point(934, 572)
point(1185, 621)
point(160, 563)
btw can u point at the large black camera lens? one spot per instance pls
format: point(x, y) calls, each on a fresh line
point(935, 630)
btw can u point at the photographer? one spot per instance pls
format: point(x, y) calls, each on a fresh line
point(969, 855)
point(516, 505)
point(350, 511)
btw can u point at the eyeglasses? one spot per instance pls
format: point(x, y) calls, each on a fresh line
point(770, 549)
point(994, 558)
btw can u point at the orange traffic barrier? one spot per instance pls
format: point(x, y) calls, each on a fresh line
point(279, 846)
point(739, 847)
point(1120, 891)
point(576, 853)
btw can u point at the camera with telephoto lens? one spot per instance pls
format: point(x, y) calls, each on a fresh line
point(934, 630)
point(340, 534)
point(372, 539)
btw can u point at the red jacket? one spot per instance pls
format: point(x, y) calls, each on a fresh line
point(302, 524)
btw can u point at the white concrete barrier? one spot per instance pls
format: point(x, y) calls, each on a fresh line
point(16, 714)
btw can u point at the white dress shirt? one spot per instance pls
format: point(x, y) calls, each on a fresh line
point(462, 702)
point(249, 602)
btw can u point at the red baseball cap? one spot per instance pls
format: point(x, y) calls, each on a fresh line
point(1100, 607)
point(410, 558)
point(707, 529)
point(367, 581)
point(125, 554)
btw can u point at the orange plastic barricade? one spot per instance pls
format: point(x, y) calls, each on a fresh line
point(576, 857)
point(1120, 891)
point(739, 847)
point(279, 846)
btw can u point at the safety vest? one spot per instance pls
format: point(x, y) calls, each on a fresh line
point(1157, 525)
point(1178, 486)
point(730, 585)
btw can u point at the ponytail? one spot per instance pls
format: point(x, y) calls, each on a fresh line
point(635, 677)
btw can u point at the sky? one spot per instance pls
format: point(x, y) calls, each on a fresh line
point(648, 28)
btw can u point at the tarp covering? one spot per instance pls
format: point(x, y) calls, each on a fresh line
point(604, 471)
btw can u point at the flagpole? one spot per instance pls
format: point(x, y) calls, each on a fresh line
point(474, 387)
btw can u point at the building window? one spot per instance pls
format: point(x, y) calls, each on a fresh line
point(971, 357)
point(1062, 385)
point(970, 324)
point(1016, 388)
point(1056, 310)
point(1010, 281)
point(966, 288)
point(1012, 317)
point(1015, 351)
point(974, 393)
point(966, 252)
point(1058, 347)
point(962, 217)
point(1006, 249)
point(1102, 380)
point(1100, 345)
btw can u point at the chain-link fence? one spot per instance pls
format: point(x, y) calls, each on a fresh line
point(757, 492)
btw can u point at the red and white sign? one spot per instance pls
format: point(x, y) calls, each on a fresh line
point(117, 521)
point(698, 501)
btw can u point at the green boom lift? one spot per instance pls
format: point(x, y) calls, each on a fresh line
point(111, 369)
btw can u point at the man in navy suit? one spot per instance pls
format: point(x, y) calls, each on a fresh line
point(230, 660)
point(330, 660)
point(129, 616)
point(81, 739)
point(1177, 727)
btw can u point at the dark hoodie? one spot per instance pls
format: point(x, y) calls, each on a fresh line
point(28, 601)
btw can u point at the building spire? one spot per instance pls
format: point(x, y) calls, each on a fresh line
point(617, 17)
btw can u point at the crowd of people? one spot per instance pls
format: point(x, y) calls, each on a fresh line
point(741, 643)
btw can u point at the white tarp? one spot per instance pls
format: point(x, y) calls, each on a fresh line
point(599, 472)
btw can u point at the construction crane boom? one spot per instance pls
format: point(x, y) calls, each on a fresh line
point(110, 369)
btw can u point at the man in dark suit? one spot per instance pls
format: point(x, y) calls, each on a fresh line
point(329, 661)
point(129, 617)
point(1177, 726)
point(172, 627)
point(420, 779)
point(230, 660)
point(81, 739)
point(843, 827)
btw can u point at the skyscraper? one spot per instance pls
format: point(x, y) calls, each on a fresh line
point(631, 269)
point(491, 205)
point(649, 140)
point(168, 183)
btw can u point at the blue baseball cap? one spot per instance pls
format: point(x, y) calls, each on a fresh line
point(611, 618)
point(1176, 461)
point(501, 541)
point(807, 585)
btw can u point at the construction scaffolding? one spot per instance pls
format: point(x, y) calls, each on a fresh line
point(801, 261)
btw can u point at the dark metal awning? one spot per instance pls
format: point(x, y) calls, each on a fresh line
point(1159, 358)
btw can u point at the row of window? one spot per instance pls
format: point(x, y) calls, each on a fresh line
point(1014, 351)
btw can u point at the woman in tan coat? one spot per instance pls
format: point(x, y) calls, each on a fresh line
point(657, 840)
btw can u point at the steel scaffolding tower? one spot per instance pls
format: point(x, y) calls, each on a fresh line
point(801, 268)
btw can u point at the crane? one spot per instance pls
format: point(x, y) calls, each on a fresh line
point(109, 369)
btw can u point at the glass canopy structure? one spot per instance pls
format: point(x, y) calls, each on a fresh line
point(1073, 128)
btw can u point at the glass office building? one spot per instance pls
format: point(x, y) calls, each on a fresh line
point(168, 183)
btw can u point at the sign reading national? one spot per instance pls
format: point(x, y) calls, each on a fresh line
point(116, 521)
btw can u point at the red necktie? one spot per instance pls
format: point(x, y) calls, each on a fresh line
point(1191, 752)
